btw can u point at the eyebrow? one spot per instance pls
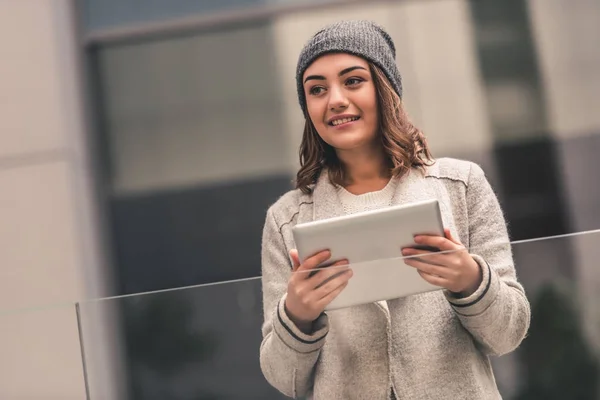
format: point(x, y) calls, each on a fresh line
point(342, 72)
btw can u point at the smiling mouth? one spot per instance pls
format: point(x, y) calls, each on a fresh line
point(341, 121)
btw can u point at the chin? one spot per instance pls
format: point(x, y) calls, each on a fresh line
point(351, 142)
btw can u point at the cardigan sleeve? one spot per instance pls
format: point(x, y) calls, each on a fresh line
point(287, 355)
point(498, 313)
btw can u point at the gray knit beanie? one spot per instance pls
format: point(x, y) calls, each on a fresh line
point(364, 39)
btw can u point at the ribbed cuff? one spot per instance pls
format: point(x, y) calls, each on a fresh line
point(294, 337)
point(483, 297)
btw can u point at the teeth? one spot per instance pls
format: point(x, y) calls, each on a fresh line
point(343, 121)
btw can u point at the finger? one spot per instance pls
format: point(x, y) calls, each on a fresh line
point(295, 259)
point(434, 280)
point(330, 264)
point(332, 284)
point(451, 238)
point(331, 296)
point(441, 271)
point(436, 241)
point(315, 260)
point(296, 264)
point(309, 287)
point(425, 256)
point(321, 276)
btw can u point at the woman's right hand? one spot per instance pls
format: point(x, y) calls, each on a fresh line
point(307, 295)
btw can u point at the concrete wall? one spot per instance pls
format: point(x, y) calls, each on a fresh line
point(49, 245)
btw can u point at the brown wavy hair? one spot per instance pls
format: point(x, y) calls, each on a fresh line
point(404, 144)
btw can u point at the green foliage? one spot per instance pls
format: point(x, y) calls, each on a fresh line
point(161, 338)
point(559, 364)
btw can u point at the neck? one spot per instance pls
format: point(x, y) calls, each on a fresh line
point(364, 166)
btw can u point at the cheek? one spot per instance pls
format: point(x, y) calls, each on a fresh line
point(366, 99)
point(373, 100)
point(370, 108)
point(315, 111)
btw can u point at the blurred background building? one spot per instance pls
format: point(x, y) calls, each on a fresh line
point(141, 143)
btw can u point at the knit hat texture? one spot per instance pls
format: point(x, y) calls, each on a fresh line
point(361, 38)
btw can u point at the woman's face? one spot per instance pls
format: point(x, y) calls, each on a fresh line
point(341, 101)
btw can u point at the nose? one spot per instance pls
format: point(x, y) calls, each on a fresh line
point(337, 99)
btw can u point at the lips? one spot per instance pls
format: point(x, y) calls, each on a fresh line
point(343, 120)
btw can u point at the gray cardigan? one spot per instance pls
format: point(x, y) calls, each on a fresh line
point(433, 345)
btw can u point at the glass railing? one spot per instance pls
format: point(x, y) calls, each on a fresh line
point(203, 342)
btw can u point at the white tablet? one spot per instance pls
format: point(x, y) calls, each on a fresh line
point(371, 242)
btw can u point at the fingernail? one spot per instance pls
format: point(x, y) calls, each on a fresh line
point(418, 238)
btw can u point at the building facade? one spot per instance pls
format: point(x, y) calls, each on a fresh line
point(142, 145)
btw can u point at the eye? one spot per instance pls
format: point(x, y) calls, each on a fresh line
point(316, 90)
point(354, 81)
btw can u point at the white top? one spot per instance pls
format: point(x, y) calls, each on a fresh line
point(353, 203)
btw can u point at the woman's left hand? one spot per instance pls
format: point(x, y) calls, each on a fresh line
point(454, 269)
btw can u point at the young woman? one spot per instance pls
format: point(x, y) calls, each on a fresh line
point(360, 152)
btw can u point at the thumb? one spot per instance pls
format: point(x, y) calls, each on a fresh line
point(295, 259)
